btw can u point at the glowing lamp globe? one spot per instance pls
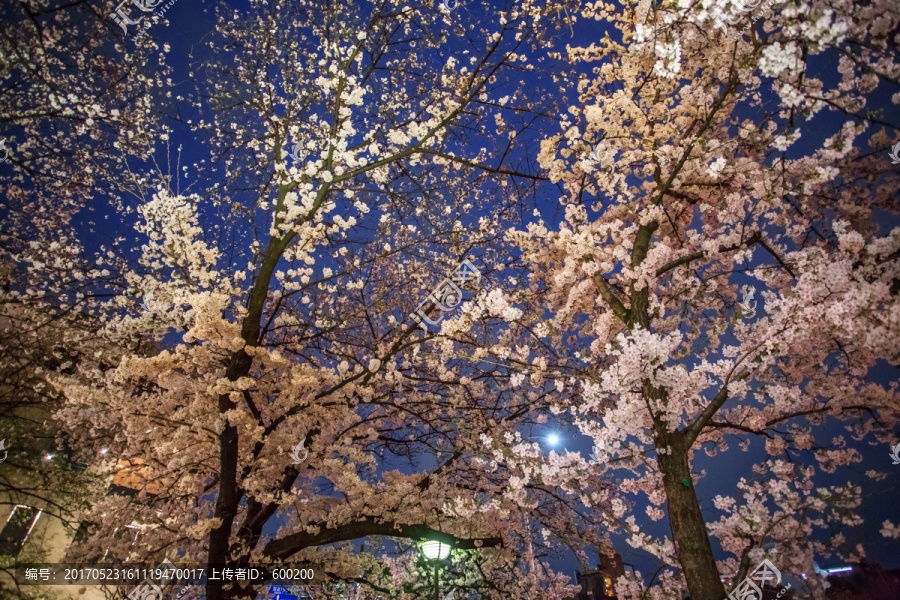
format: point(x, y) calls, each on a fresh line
point(435, 550)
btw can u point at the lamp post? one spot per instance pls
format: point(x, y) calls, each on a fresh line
point(435, 552)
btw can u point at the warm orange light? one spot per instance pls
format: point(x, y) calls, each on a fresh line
point(608, 586)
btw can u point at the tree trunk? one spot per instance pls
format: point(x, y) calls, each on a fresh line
point(688, 526)
point(230, 492)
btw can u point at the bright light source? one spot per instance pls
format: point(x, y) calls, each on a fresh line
point(48, 457)
point(838, 570)
point(553, 439)
point(435, 550)
point(104, 450)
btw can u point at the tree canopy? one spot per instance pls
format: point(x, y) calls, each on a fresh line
point(681, 245)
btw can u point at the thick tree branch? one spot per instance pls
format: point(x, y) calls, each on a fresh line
point(678, 262)
point(786, 417)
point(756, 237)
point(286, 547)
point(691, 432)
point(607, 294)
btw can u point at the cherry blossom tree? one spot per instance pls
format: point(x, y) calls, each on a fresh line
point(270, 394)
point(70, 100)
point(241, 336)
point(723, 275)
point(73, 103)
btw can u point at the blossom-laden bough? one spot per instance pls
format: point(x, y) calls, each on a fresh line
point(258, 299)
point(705, 191)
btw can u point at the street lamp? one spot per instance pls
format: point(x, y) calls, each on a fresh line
point(435, 552)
